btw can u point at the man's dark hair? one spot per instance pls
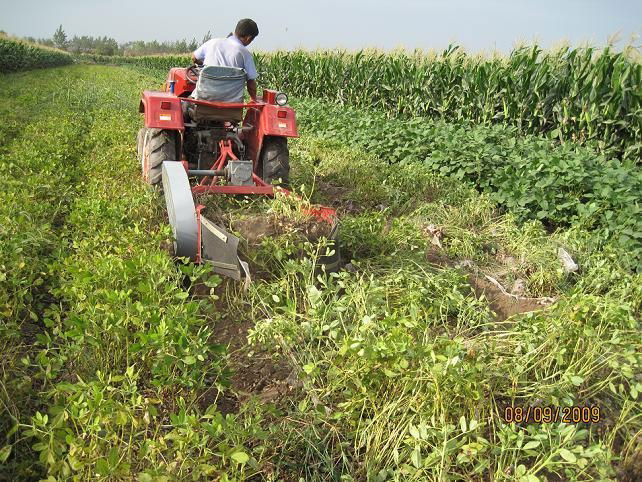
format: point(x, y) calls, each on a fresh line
point(246, 27)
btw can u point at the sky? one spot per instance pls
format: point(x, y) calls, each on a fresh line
point(476, 25)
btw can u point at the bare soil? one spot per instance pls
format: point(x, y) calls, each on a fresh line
point(630, 470)
point(437, 257)
point(338, 197)
point(253, 372)
point(255, 228)
point(504, 306)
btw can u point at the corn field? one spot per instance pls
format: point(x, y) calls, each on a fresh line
point(17, 55)
point(583, 95)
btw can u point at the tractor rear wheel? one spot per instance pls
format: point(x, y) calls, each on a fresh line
point(275, 160)
point(159, 145)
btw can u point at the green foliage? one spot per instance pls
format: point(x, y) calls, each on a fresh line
point(38, 157)
point(60, 38)
point(397, 368)
point(589, 341)
point(581, 94)
point(98, 45)
point(141, 47)
point(530, 176)
point(16, 55)
point(406, 371)
point(403, 370)
point(108, 46)
point(153, 65)
point(111, 331)
point(112, 427)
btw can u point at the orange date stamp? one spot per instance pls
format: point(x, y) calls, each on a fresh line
point(552, 414)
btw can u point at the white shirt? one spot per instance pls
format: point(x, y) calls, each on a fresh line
point(227, 52)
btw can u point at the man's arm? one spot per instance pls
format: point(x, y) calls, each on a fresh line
point(198, 56)
point(251, 88)
point(252, 74)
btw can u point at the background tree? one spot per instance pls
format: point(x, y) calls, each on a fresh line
point(108, 46)
point(60, 38)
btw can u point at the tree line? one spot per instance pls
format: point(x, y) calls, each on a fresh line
point(109, 46)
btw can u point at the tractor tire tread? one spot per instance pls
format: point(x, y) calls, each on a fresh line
point(140, 142)
point(160, 145)
point(275, 160)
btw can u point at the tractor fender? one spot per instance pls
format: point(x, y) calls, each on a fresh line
point(278, 121)
point(162, 110)
point(270, 120)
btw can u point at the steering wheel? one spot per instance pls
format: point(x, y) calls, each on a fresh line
point(192, 72)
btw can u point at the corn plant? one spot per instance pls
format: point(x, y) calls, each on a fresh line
point(18, 55)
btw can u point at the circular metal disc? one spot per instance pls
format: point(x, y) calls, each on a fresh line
point(180, 208)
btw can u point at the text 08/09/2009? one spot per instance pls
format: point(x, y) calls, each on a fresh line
point(552, 414)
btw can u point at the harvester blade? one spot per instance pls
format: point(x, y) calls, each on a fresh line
point(220, 249)
point(180, 209)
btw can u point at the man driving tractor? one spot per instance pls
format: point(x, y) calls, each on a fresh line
point(219, 145)
point(232, 52)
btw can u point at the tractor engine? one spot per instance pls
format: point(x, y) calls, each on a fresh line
point(201, 145)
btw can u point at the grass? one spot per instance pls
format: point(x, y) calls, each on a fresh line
point(395, 368)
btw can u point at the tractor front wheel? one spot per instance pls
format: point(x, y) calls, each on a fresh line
point(275, 160)
point(158, 145)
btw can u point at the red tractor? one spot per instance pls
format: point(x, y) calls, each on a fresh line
point(196, 146)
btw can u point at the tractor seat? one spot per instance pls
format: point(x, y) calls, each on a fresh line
point(218, 84)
